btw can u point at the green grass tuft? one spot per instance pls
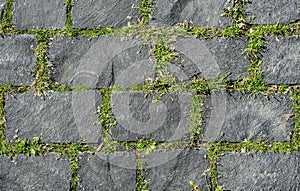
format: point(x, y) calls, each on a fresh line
point(7, 16)
point(145, 11)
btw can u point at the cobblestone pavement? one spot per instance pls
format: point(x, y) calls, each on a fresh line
point(149, 95)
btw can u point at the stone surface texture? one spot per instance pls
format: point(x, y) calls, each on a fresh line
point(237, 117)
point(100, 62)
point(209, 58)
point(281, 59)
point(29, 14)
point(158, 95)
point(57, 117)
point(257, 171)
point(101, 171)
point(272, 12)
point(173, 170)
point(200, 13)
point(29, 173)
point(17, 59)
point(138, 116)
point(101, 13)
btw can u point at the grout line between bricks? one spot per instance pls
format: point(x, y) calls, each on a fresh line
point(145, 11)
point(196, 119)
point(141, 182)
point(69, 4)
point(199, 32)
point(295, 95)
point(2, 125)
point(7, 16)
point(42, 71)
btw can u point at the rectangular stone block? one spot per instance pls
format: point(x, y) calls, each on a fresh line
point(100, 62)
point(30, 14)
point(237, 117)
point(2, 6)
point(138, 117)
point(280, 60)
point(115, 171)
point(272, 12)
point(17, 60)
point(259, 171)
point(209, 58)
point(57, 117)
point(46, 173)
point(200, 13)
point(100, 14)
point(173, 170)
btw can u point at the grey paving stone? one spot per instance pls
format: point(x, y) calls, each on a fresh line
point(111, 172)
point(210, 58)
point(98, 14)
point(272, 12)
point(2, 6)
point(100, 62)
point(237, 117)
point(29, 14)
point(139, 118)
point(281, 59)
point(17, 60)
point(173, 170)
point(256, 171)
point(29, 173)
point(199, 12)
point(57, 117)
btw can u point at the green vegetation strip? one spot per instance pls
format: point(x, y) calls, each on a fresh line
point(145, 11)
point(7, 16)
point(69, 4)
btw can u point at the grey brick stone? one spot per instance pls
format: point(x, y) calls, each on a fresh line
point(173, 170)
point(29, 173)
point(210, 58)
point(272, 12)
point(237, 117)
point(29, 14)
point(138, 117)
point(17, 60)
point(100, 62)
point(256, 171)
point(199, 12)
point(111, 172)
point(2, 6)
point(281, 59)
point(100, 13)
point(57, 117)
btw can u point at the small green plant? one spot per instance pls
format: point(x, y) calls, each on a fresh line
point(147, 145)
point(237, 12)
point(42, 82)
point(145, 10)
point(69, 4)
point(24, 146)
point(109, 146)
point(7, 16)
point(196, 117)
point(105, 109)
point(141, 184)
point(196, 188)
